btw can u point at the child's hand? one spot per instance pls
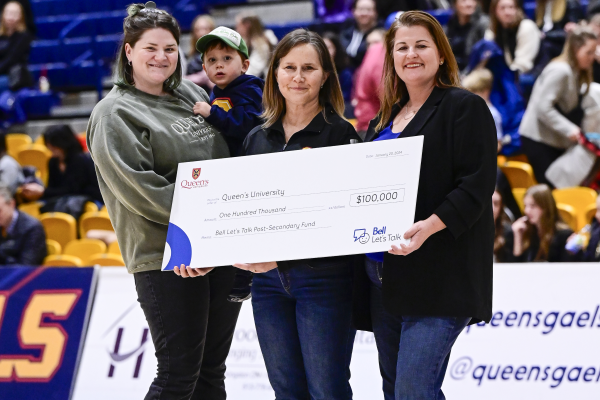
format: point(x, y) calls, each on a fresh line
point(202, 108)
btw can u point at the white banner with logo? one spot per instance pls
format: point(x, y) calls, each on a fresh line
point(542, 343)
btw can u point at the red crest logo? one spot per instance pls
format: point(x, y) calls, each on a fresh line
point(196, 173)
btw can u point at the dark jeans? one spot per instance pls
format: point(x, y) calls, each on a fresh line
point(413, 350)
point(192, 324)
point(303, 320)
point(540, 156)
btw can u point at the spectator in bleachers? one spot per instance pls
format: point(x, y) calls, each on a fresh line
point(540, 235)
point(27, 13)
point(480, 82)
point(594, 24)
point(466, 27)
point(354, 38)
point(15, 44)
point(11, 173)
point(342, 64)
point(202, 25)
point(71, 175)
point(368, 87)
point(552, 122)
point(554, 18)
point(517, 37)
point(23, 240)
point(503, 238)
point(260, 43)
point(592, 252)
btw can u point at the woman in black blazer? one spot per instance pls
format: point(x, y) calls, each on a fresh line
point(418, 298)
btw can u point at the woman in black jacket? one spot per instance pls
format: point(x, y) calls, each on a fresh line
point(71, 175)
point(417, 298)
point(15, 44)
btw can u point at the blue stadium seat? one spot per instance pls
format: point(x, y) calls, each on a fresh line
point(58, 73)
point(45, 51)
point(107, 46)
point(50, 27)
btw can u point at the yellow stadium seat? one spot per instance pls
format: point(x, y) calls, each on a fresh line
point(90, 206)
point(94, 220)
point(580, 198)
point(32, 208)
point(114, 248)
point(16, 140)
point(501, 160)
point(37, 156)
point(519, 194)
point(40, 140)
point(62, 261)
point(107, 260)
point(84, 249)
point(104, 210)
point(60, 227)
point(590, 213)
point(54, 248)
point(568, 215)
point(519, 174)
point(519, 157)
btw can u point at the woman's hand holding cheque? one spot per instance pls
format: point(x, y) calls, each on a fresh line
point(189, 272)
point(418, 233)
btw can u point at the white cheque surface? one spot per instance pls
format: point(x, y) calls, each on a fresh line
point(340, 200)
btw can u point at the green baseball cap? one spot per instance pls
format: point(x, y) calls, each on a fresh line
point(230, 37)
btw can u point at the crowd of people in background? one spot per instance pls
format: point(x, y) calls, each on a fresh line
point(539, 77)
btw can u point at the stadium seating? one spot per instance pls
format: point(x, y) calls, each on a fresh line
point(84, 248)
point(94, 220)
point(15, 141)
point(580, 198)
point(107, 260)
point(590, 213)
point(519, 174)
point(569, 215)
point(32, 208)
point(113, 248)
point(53, 247)
point(62, 261)
point(60, 227)
point(36, 156)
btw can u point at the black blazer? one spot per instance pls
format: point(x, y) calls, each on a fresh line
point(451, 274)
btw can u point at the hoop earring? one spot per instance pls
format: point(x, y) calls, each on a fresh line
point(129, 62)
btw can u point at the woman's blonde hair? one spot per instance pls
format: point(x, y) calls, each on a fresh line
point(330, 93)
point(575, 41)
point(21, 27)
point(202, 17)
point(549, 221)
point(394, 88)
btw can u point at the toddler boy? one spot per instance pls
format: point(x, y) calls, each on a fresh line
point(235, 106)
point(236, 100)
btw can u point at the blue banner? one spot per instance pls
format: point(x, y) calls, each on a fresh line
point(43, 312)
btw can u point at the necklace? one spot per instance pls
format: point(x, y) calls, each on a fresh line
point(409, 114)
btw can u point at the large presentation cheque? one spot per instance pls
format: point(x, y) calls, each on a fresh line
point(349, 199)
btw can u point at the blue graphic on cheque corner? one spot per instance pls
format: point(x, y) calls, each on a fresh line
point(181, 247)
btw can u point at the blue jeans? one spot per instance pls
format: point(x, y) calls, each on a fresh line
point(303, 320)
point(413, 350)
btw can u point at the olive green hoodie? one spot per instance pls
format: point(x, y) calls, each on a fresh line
point(137, 140)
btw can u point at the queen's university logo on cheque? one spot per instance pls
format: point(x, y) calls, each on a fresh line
point(223, 102)
point(196, 173)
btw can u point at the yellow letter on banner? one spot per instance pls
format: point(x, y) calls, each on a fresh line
point(34, 333)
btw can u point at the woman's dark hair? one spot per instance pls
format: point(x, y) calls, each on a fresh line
point(63, 137)
point(499, 239)
point(141, 18)
point(2, 143)
point(341, 58)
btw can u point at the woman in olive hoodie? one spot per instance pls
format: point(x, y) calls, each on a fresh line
point(137, 135)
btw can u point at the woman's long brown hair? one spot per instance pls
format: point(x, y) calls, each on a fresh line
point(394, 88)
point(550, 220)
point(575, 41)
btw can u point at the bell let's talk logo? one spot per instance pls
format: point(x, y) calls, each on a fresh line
point(195, 183)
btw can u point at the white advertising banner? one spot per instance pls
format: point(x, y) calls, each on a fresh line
point(541, 343)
